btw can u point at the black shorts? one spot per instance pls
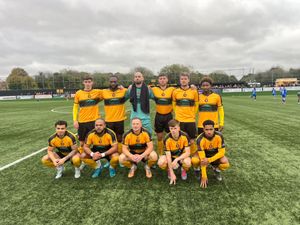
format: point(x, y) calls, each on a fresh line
point(117, 127)
point(161, 122)
point(189, 128)
point(84, 129)
point(209, 154)
point(61, 156)
point(200, 130)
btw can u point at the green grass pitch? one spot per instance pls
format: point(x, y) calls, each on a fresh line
point(261, 186)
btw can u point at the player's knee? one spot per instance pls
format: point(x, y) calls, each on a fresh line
point(153, 156)
point(76, 161)
point(114, 160)
point(122, 158)
point(195, 162)
point(46, 161)
point(186, 163)
point(224, 166)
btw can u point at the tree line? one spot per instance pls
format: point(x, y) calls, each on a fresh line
point(19, 79)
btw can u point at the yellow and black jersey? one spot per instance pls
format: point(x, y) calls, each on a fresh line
point(137, 143)
point(176, 147)
point(163, 99)
point(114, 104)
point(88, 103)
point(212, 148)
point(63, 144)
point(185, 101)
point(101, 142)
point(210, 108)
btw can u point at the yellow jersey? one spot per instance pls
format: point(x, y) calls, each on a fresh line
point(137, 144)
point(101, 142)
point(176, 147)
point(212, 148)
point(64, 144)
point(88, 103)
point(210, 107)
point(185, 101)
point(163, 99)
point(114, 104)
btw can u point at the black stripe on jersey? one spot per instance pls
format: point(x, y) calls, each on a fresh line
point(89, 102)
point(163, 101)
point(198, 141)
point(185, 102)
point(112, 134)
point(177, 152)
point(72, 137)
point(100, 148)
point(211, 152)
point(222, 138)
point(114, 101)
point(64, 149)
point(145, 130)
point(51, 138)
point(137, 147)
point(208, 108)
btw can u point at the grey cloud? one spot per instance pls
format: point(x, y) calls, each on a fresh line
point(118, 35)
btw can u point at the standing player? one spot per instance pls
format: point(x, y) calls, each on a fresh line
point(86, 101)
point(101, 143)
point(185, 104)
point(253, 94)
point(211, 150)
point(177, 152)
point(274, 92)
point(298, 94)
point(210, 106)
point(114, 106)
point(137, 147)
point(283, 95)
point(163, 99)
point(140, 95)
point(66, 148)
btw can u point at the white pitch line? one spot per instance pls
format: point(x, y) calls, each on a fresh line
point(22, 159)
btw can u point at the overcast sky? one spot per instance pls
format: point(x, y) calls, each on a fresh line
point(115, 36)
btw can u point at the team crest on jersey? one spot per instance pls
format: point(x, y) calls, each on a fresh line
point(177, 145)
point(184, 94)
point(206, 100)
point(113, 94)
point(89, 95)
point(163, 94)
point(62, 143)
point(100, 141)
point(137, 140)
point(210, 146)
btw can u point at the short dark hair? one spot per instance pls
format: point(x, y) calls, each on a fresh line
point(87, 77)
point(113, 75)
point(206, 79)
point(100, 119)
point(173, 123)
point(185, 74)
point(162, 75)
point(61, 122)
point(208, 122)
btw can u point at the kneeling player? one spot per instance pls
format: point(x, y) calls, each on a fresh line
point(177, 152)
point(101, 143)
point(66, 148)
point(138, 146)
point(211, 150)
